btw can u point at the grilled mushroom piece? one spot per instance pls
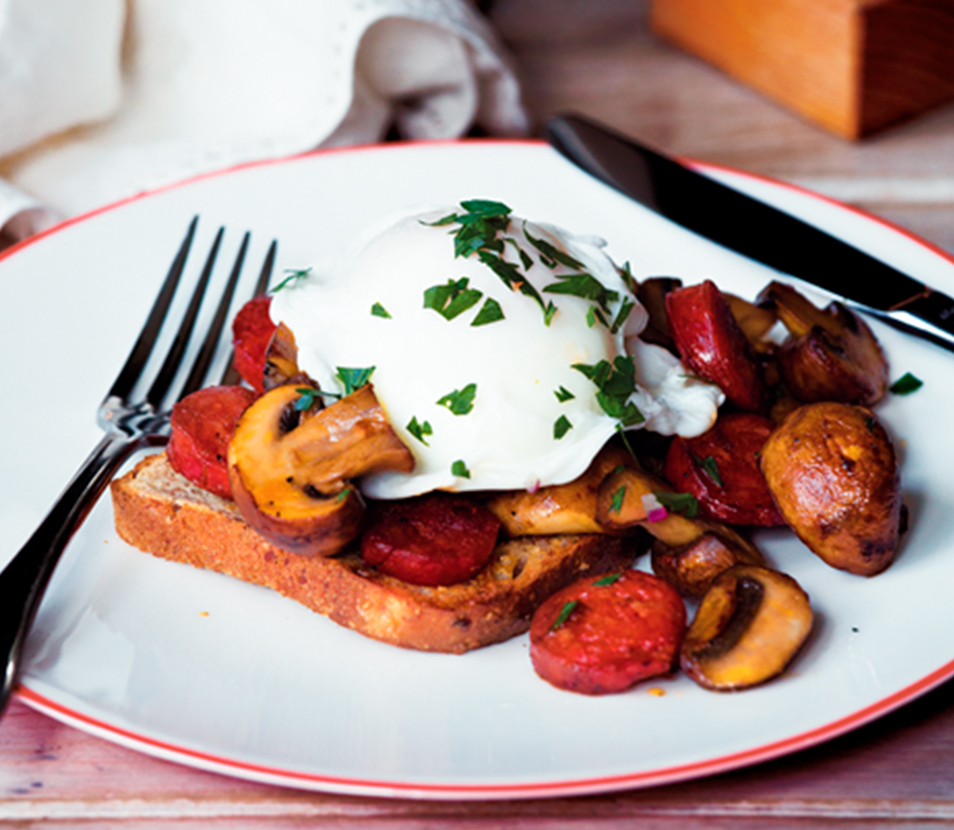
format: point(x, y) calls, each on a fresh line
point(694, 567)
point(749, 626)
point(559, 508)
point(291, 470)
point(833, 473)
point(830, 355)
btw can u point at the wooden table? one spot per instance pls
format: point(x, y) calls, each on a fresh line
point(596, 57)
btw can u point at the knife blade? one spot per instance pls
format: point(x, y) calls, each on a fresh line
point(754, 228)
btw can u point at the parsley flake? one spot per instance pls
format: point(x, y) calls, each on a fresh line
point(460, 401)
point(293, 276)
point(710, 468)
point(615, 382)
point(603, 581)
point(563, 395)
point(561, 427)
point(459, 469)
point(511, 277)
point(564, 614)
point(309, 396)
point(419, 430)
point(906, 384)
point(684, 503)
point(353, 379)
point(378, 310)
point(626, 274)
point(479, 226)
point(490, 312)
point(616, 502)
point(452, 299)
point(551, 255)
point(624, 310)
point(583, 285)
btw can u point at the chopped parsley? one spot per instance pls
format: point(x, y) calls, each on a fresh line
point(525, 258)
point(564, 614)
point(353, 379)
point(293, 276)
point(378, 310)
point(583, 285)
point(511, 277)
point(419, 430)
point(308, 397)
point(615, 382)
point(624, 310)
point(561, 427)
point(460, 401)
point(616, 502)
point(626, 274)
point(607, 580)
point(478, 232)
point(550, 255)
point(479, 226)
point(684, 503)
point(459, 469)
point(490, 312)
point(563, 395)
point(594, 316)
point(906, 384)
point(710, 468)
point(452, 299)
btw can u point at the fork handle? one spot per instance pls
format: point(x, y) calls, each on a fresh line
point(24, 580)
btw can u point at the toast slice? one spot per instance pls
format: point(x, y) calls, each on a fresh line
point(160, 512)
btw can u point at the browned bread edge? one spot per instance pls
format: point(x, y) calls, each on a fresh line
point(160, 512)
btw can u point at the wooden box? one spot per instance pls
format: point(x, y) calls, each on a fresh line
point(851, 66)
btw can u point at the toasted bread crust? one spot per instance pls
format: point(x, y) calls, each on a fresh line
point(158, 511)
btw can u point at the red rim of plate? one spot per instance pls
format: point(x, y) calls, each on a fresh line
point(449, 791)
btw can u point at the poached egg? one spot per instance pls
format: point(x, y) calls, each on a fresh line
point(498, 348)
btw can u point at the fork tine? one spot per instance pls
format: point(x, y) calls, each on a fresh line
point(171, 364)
point(140, 352)
point(211, 342)
point(265, 275)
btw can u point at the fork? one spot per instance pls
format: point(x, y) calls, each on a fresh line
point(131, 422)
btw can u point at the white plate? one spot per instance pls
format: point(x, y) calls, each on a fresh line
point(204, 670)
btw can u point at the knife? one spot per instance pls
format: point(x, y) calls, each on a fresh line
point(754, 229)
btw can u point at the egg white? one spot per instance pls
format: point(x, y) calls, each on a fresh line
point(518, 364)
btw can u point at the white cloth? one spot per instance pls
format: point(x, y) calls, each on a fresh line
point(100, 99)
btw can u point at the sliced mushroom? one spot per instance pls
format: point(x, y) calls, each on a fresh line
point(693, 568)
point(749, 626)
point(620, 506)
point(755, 321)
point(281, 358)
point(831, 354)
point(559, 508)
point(291, 470)
point(833, 474)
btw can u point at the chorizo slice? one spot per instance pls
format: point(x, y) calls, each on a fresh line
point(721, 469)
point(436, 539)
point(202, 426)
point(712, 345)
point(604, 634)
point(252, 331)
